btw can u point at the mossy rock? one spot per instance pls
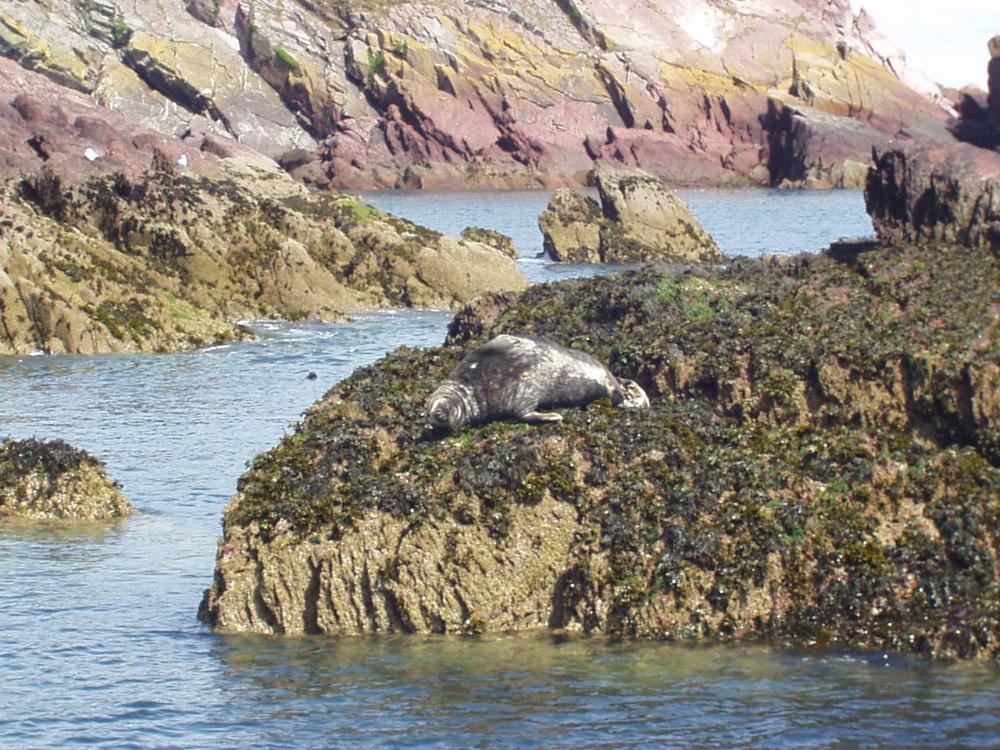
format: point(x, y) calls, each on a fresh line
point(816, 467)
point(53, 480)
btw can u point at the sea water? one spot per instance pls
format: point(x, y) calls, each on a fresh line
point(99, 641)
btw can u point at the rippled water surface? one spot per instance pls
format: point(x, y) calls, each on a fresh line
point(99, 645)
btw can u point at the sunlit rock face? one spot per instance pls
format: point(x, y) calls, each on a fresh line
point(448, 93)
point(640, 219)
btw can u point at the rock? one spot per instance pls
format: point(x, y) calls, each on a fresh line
point(51, 479)
point(978, 112)
point(159, 245)
point(492, 238)
point(813, 149)
point(446, 95)
point(646, 221)
point(639, 220)
point(937, 194)
point(165, 261)
point(571, 227)
point(820, 463)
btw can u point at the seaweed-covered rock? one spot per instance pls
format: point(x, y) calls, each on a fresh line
point(640, 219)
point(166, 261)
point(819, 465)
point(492, 238)
point(51, 479)
point(571, 227)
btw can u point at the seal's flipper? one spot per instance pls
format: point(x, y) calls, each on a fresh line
point(538, 417)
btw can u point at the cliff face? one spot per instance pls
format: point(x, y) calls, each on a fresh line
point(819, 464)
point(529, 92)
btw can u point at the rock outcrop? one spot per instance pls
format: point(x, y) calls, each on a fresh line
point(937, 194)
point(115, 238)
point(819, 465)
point(639, 220)
point(571, 227)
point(949, 193)
point(517, 94)
point(53, 480)
point(496, 240)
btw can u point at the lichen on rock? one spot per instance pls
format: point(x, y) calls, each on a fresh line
point(52, 480)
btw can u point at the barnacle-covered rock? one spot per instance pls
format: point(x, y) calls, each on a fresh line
point(53, 480)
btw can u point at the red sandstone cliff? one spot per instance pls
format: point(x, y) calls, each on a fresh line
point(529, 92)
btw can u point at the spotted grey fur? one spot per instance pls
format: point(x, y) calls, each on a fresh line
point(523, 378)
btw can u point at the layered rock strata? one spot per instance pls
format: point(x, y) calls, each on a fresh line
point(640, 219)
point(819, 465)
point(42, 480)
point(525, 93)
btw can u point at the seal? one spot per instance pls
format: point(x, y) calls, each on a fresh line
point(522, 378)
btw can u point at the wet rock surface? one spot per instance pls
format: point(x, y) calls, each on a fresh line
point(44, 480)
point(640, 219)
point(819, 465)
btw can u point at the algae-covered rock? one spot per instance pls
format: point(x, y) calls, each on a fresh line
point(819, 465)
point(571, 227)
point(640, 219)
point(165, 261)
point(51, 479)
point(492, 238)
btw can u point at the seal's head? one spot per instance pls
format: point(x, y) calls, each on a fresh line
point(448, 406)
point(632, 395)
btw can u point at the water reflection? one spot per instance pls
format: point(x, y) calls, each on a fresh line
point(541, 690)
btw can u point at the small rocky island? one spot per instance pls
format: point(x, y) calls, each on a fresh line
point(44, 480)
point(819, 465)
point(639, 220)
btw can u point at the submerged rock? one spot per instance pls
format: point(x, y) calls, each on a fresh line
point(640, 219)
point(819, 465)
point(53, 480)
